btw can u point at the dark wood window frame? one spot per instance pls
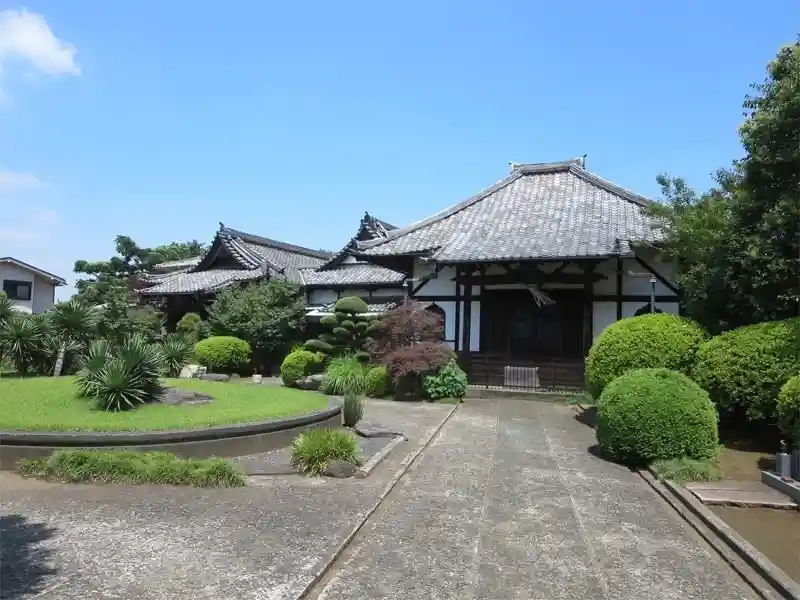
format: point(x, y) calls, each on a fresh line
point(11, 288)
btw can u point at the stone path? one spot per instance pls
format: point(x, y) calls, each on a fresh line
point(740, 493)
point(509, 503)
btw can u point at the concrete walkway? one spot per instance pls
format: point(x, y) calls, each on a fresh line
point(509, 503)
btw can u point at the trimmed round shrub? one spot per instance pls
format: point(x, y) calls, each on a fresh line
point(655, 414)
point(351, 304)
point(298, 364)
point(449, 382)
point(379, 382)
point(789, 411)
point(644, 342)
point(744, 369)
point(223, 353)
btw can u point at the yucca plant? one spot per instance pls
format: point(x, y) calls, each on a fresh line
point(176, 349)
point(314, 450)
point(73, 323)
point(20, 340)
point(119, 386)
point(352, 409)
point(97, 356)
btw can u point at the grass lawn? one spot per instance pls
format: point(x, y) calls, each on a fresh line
point(51, 404)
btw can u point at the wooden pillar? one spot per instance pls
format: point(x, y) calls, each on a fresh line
point(457, 331)
point(588, 309)
point(619, 287)
point(465, 339)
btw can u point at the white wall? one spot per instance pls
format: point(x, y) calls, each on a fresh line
point(604, 312)
point(42, 292)
point(323, 296)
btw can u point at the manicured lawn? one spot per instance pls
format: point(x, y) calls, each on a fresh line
point(50, 404)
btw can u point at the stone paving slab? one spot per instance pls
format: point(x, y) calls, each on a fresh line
point(508, 502)
point(740, 493)
point(81, 542)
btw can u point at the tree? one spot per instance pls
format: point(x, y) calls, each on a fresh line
point(737, 246)
point(404, 326)
point(73, 324)
point(267, 314)
point(349, 329)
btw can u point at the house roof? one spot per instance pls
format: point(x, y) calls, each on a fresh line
point(54, 279)
point(248, 257)
point(350, 274)
point(370, 228)
point(539, 211)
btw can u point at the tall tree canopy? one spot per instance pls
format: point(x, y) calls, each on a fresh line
point(737, 246)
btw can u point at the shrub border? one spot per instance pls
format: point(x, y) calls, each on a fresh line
point(222, 440)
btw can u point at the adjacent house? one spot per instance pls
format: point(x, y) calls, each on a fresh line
point(526, 273)
point(32, 290)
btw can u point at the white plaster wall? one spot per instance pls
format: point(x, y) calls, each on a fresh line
point(634, 284)
point(603, 315)
point(44, 294)
point(321, 297)
point(9, 271)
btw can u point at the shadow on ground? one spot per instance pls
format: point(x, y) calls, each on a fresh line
point(586, 415)
point(24, 563)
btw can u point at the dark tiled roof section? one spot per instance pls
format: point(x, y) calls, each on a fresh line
point(543, 210)
point(174, 265)
point(201, 281)
point(369, 228)
point(262, 241)
point(351, 274)
point(289, 262)
point(377, 304)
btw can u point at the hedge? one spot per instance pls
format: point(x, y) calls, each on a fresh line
point(655, 414)
point(743, 369)
point(789, 411)
point(223, 353)
point(647, 341)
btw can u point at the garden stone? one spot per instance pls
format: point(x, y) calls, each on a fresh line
point(312, 382)
point(371, 430)
point(191, 371)
point(340, 469)
point(215, 377)
point(179, 396)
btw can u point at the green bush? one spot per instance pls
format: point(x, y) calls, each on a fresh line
point(744, 369)
point(192, 327)
point(449, 382)
point(655, 414)
point(159, 468)
point(352, 409)
point(314, 450)
point(378, 382)
point(345, 374)
point(644, 342)
point(789, 411)
point(299, 364)
point(223, 353)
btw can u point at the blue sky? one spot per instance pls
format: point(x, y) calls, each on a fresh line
point(158, 119)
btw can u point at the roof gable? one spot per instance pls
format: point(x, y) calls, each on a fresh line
point(540, 210)
point(370, 228)
point(54, 279)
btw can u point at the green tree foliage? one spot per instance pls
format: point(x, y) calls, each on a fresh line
point(738, 245)
point(348, 327)
point(267, 314)
point(744, 369)
point(656, 414)
point(647, 341)
point(223, 353)
point(789, 411)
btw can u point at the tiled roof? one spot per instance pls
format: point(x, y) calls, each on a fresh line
point(173, 265)
point(543, 210)
point(256, 257)
point(351, 274)
point(201, 281)
point(369, 228)
point(376, 305)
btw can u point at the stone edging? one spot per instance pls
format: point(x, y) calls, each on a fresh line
point(167, 436)
point(301, 589)
point(736, 551)
point(376, 459)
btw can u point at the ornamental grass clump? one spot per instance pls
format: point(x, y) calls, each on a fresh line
point(112, 466)
point(345, 374)
point(314, 450)
point(352, 409)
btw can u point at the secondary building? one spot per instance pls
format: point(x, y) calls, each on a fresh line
point(32, 290)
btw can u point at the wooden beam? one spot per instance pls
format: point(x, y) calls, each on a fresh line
point(457, 345)
point(633, 298)
point(537, 279)
point(668, 284)
point(426, 279)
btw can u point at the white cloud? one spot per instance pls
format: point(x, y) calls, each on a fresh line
point(19, 236)
point(11, 180)
point(26, 36)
